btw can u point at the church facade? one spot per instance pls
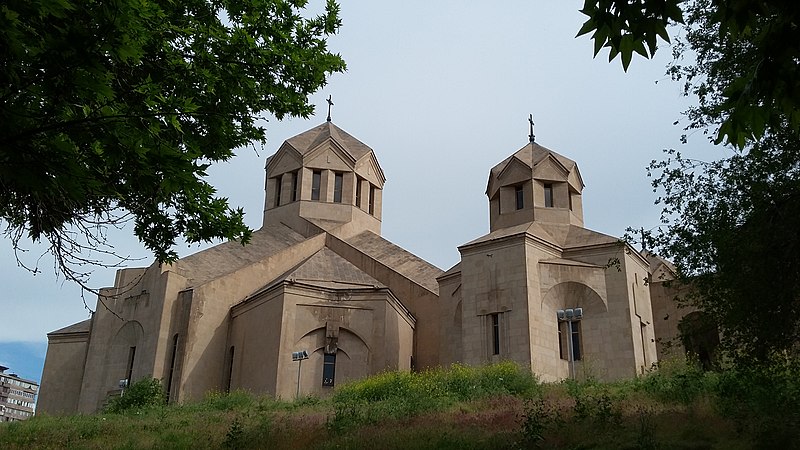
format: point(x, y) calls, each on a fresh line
point(318, 279)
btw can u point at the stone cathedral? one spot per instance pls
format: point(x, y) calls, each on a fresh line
point(318, 277)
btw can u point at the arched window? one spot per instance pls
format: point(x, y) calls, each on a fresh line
point(329, 369)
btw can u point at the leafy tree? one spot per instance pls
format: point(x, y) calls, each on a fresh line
point(113, 110)
point(732, 231)
point(731, 226)
point(761, 92)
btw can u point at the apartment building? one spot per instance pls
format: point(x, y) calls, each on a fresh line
point(17, 397)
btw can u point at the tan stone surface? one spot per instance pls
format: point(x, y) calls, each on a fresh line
point(319, 277)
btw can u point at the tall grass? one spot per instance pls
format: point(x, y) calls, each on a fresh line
point(496, 406)
point(394, 395)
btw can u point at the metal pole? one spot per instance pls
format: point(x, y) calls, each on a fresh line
point(299, 365)
point(571, 353)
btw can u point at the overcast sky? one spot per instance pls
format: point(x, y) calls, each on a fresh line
point(441, 90)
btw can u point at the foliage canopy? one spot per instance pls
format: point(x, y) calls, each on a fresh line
point(113, 111)
point(753, 93)
point(731, 226)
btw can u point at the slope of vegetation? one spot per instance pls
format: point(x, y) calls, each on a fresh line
point(497, 406)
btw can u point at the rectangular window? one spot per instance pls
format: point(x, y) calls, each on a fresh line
point(338, 181)
point(575, 328)
point(519, 196)
point(569, 340)
point(129, 372)
point(372, 199)
point(329, 369)
point(570, 201)
point(495, 318)
point(316, 181)
point(295, 179)
point(278, 187)
point(358, 192)
point(548, 195)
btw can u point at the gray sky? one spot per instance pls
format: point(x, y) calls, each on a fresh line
point(441, 90)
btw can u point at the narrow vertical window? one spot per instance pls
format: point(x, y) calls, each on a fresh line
point(575, 328)
point(358, 192)
point(295, 179)
point(495, 318)
point(316, 180)
point(562, 352)
point(570, 201)
point(338, 181)
point(329, 369)
point(172, 365)
point(372, 199)
point(129, 372)
point(519, 196)
point(278, 187)
point(548, 195)
point(230, 371)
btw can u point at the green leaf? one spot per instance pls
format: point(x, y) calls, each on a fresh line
point(587, 27)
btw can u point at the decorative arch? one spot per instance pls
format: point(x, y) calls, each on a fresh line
point(585, 336)
point(700, 338)
point(352, 357)
point(126, 350)
point(571, 294)
point(321, 330)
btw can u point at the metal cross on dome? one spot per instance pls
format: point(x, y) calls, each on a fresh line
point(330, 103)
point(531, 136)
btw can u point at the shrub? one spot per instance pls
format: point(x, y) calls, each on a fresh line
point(762, 400)
point(677, 382)
point(144, 393)
point(538, 417)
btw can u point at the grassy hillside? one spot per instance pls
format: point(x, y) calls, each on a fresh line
point(498, 406)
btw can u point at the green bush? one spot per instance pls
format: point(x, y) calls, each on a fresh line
point(677, 382)
point(144, 393)
point(763, 401)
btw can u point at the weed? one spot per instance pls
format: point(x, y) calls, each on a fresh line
point(233, 439)
point(222, 401)
point(646, 436)
point(537, 418)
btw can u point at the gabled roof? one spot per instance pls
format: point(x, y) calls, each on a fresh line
point(656, 262)
point(80, 327)
point(395, 258)
point(581, 237)
point(306, 142)
point(325, 269)
point(230, 256)
point(313, 138)
point(531, 155)
point(453, 270)
point(563, 236)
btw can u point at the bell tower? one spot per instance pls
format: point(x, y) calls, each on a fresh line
point(327, 177)
point(535, 184)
